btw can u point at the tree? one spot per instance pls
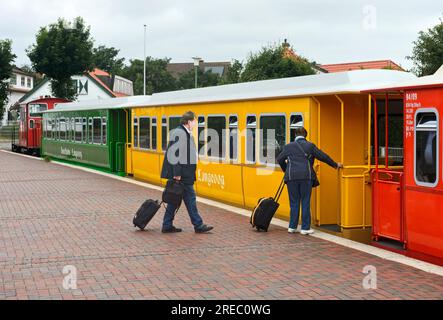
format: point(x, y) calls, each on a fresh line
point(63, 50)
point(234, 73)
point(204, 79)
point(106, 59)
point(158, 79)
point(272, 63)
point(427, 53)
point(6, 60)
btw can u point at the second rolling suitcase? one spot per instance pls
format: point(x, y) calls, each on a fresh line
point(145, 213)
point(264, 211)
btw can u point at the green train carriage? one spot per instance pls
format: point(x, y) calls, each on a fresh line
point(91, 134)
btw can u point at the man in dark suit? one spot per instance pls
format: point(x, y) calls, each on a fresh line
point(297, 162)
point(180, 163)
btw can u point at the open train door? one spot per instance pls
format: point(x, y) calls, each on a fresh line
point(387, 177)
point(343, 198)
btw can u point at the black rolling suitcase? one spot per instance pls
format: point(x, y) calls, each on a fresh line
point(145, 213)
point(264, 211)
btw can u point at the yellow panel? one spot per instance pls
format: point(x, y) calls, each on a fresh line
point(220, 181)
point(146, 166)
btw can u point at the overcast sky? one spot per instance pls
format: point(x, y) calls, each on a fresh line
point(222, 30)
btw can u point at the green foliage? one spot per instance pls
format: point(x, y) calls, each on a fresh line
point(270, 63)
point(61, 51)
point(233, 74)
point(158, 79)
point(204, 79)
point(106, 59)
point(6, 60)
point(427, 53)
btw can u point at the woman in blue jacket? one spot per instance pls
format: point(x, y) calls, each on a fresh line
point(297, 161)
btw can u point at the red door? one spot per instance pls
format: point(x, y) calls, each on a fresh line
point(387, 210)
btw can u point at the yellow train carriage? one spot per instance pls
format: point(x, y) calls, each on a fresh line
point(331, 107)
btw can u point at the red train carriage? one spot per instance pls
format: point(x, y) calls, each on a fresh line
point(408, 201)
point(30, 125)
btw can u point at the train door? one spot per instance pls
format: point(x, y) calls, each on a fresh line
point(128, 144)
point(343, 198)
point(117, 131)
point(388, 175)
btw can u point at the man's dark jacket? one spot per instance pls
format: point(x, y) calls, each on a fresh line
point(180, 157)
point(298, 166)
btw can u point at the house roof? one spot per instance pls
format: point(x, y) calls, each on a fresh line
point(321, 84)
point(16, 69)
point(378, 64)
point(99, 77)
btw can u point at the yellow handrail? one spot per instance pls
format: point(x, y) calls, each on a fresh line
point(317, 195)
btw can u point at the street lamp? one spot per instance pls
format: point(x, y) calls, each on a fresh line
point(144, 64)
point(197, 61)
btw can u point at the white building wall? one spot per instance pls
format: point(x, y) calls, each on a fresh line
point(20, 84)
point(94, 91)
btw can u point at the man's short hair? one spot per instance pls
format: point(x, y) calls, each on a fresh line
point(301, 131)
point(188, 116)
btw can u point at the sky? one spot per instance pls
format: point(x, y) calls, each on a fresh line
point(322, 31)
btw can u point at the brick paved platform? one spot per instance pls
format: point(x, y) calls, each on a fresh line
point(53, 216)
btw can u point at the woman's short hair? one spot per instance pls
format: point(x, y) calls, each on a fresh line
point(188, 116)
point(301, 131)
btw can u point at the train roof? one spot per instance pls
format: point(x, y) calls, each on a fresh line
point(313, 85)
point(435, 80)
point(99, 104)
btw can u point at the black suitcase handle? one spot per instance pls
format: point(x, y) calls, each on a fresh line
point(280, 190)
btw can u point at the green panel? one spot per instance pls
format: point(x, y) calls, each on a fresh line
point(93, 155)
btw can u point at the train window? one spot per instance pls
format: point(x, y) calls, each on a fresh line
point(36, 109)
point(45, 128)
point(97, 131)
point(251, 127)
point(54, 129)
point(216, 140)
point(164, 134)
point(57, 129)
point(145, 133)
point(90, 130)
point(78, 129)
point(174, 122)
point(104, 131)
point(201, 135)
point(272, 137)
point(426, 148)
point(154, 133)
point(72, 129)
point(62, 129)
point(135, 132)
point(85, 131)
point(233, 137)
point(31, 124)
point(296, 122)
point(68, 128)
